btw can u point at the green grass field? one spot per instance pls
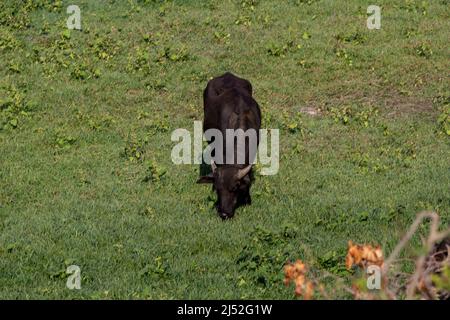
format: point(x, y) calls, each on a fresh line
point(86, 116)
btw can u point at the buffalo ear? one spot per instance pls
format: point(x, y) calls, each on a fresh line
point(206, 179)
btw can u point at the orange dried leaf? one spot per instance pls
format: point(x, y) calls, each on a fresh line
point(363, 255)
point(296, 273)
point(309, 291)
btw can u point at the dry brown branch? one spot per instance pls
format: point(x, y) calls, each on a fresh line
point(433, 237)
point(429, 263)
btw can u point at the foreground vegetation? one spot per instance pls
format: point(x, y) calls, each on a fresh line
point(86, 117)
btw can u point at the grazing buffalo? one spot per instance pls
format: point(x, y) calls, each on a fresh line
point(228, 104)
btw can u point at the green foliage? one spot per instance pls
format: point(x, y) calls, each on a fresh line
point(8, 41)
point(442, 280)
point(64, 142)
point(264, 256)
point(294, 123)
point(144, 58)
point(334, 262)
point(59, 271)
point(301, 2)
point(155, 172)
point(423, 50)
point(222, 36)
point(354, 38)
point(444, 120)
point(385, 158)
point(139, 61)
point(14, 107)
point(135, 148)
point(344, 55)
point(159, 124)
point(415, 6)
point(16, 14)
point(366, 163)
point(280, 50)
point(354, 114)
point(156, 269)
point(84, 71)
point(103, 47)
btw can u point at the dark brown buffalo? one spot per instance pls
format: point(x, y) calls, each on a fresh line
point(228, 104)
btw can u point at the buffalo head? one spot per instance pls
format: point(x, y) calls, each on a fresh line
point(232, 185)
